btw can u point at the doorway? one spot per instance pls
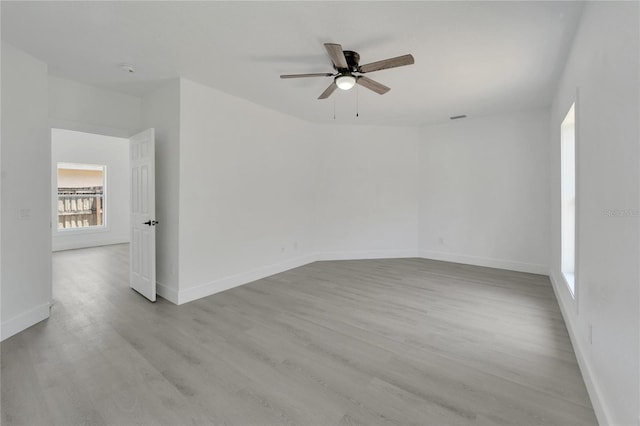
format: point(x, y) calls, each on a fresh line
point(90, 189)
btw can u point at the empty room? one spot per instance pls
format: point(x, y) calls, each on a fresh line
point(320, 213)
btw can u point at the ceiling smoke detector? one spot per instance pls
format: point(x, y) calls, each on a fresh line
point(128, 68)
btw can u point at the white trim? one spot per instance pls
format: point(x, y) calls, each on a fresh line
point(167, 293)
point(222, 284)
point(62, 232)
point(510, 265)
point(24, 320)
point(94, 229)
point(207, 289)
point(60, 244)
point(603, 414)
point(365, 254)
point(569, 279)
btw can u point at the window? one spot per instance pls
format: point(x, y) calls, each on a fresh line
point(568, 197)
point(81, 200)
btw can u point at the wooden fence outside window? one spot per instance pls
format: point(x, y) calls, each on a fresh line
point(80, 207)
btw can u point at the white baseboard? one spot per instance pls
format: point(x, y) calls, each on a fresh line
point(86, 243)
point(167, 293)
point(602, 412)
point(25, 320)
point(365, 254)
point(510, 265)
point(226, 283)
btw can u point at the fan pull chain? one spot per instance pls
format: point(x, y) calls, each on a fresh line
point(334, 107)
point(357, 102)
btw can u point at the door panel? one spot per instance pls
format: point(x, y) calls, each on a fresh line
point(142, 274)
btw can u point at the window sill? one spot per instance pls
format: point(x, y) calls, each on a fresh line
point(570, 281)
point(77, 231)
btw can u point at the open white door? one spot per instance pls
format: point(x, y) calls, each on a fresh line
point(142, 256)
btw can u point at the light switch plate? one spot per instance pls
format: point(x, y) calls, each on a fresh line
point(24, 214)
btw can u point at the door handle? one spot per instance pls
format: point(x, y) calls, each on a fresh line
point(151, 222)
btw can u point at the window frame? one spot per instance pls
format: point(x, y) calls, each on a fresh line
point(104, 227)
point(569, 198)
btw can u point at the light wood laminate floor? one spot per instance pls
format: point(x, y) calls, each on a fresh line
point(377, 342)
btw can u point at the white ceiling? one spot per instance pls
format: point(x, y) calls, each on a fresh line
point(475, 58)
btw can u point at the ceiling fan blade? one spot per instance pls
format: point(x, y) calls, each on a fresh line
point(332, 87)
point(318, 74)
point(398, 61)
point(337, 55)
point(380, 89)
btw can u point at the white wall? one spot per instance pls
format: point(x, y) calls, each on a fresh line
point(85, 108)
point(367, 196)
point(86, 148)
point(258, 189)
point(261, 192)
point(603, 69)
point(250, 192)
point(484, 191)
point(247, 190)
point(161, 110)
point(26, 207)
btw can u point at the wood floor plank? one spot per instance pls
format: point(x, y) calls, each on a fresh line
point(358, 342)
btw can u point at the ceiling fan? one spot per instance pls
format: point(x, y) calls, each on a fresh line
point(346, 63)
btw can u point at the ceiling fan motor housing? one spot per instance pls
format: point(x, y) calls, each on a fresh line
point(353, 59)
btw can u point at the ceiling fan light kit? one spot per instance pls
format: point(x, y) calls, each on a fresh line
point(348, 70)
point(345, 82)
